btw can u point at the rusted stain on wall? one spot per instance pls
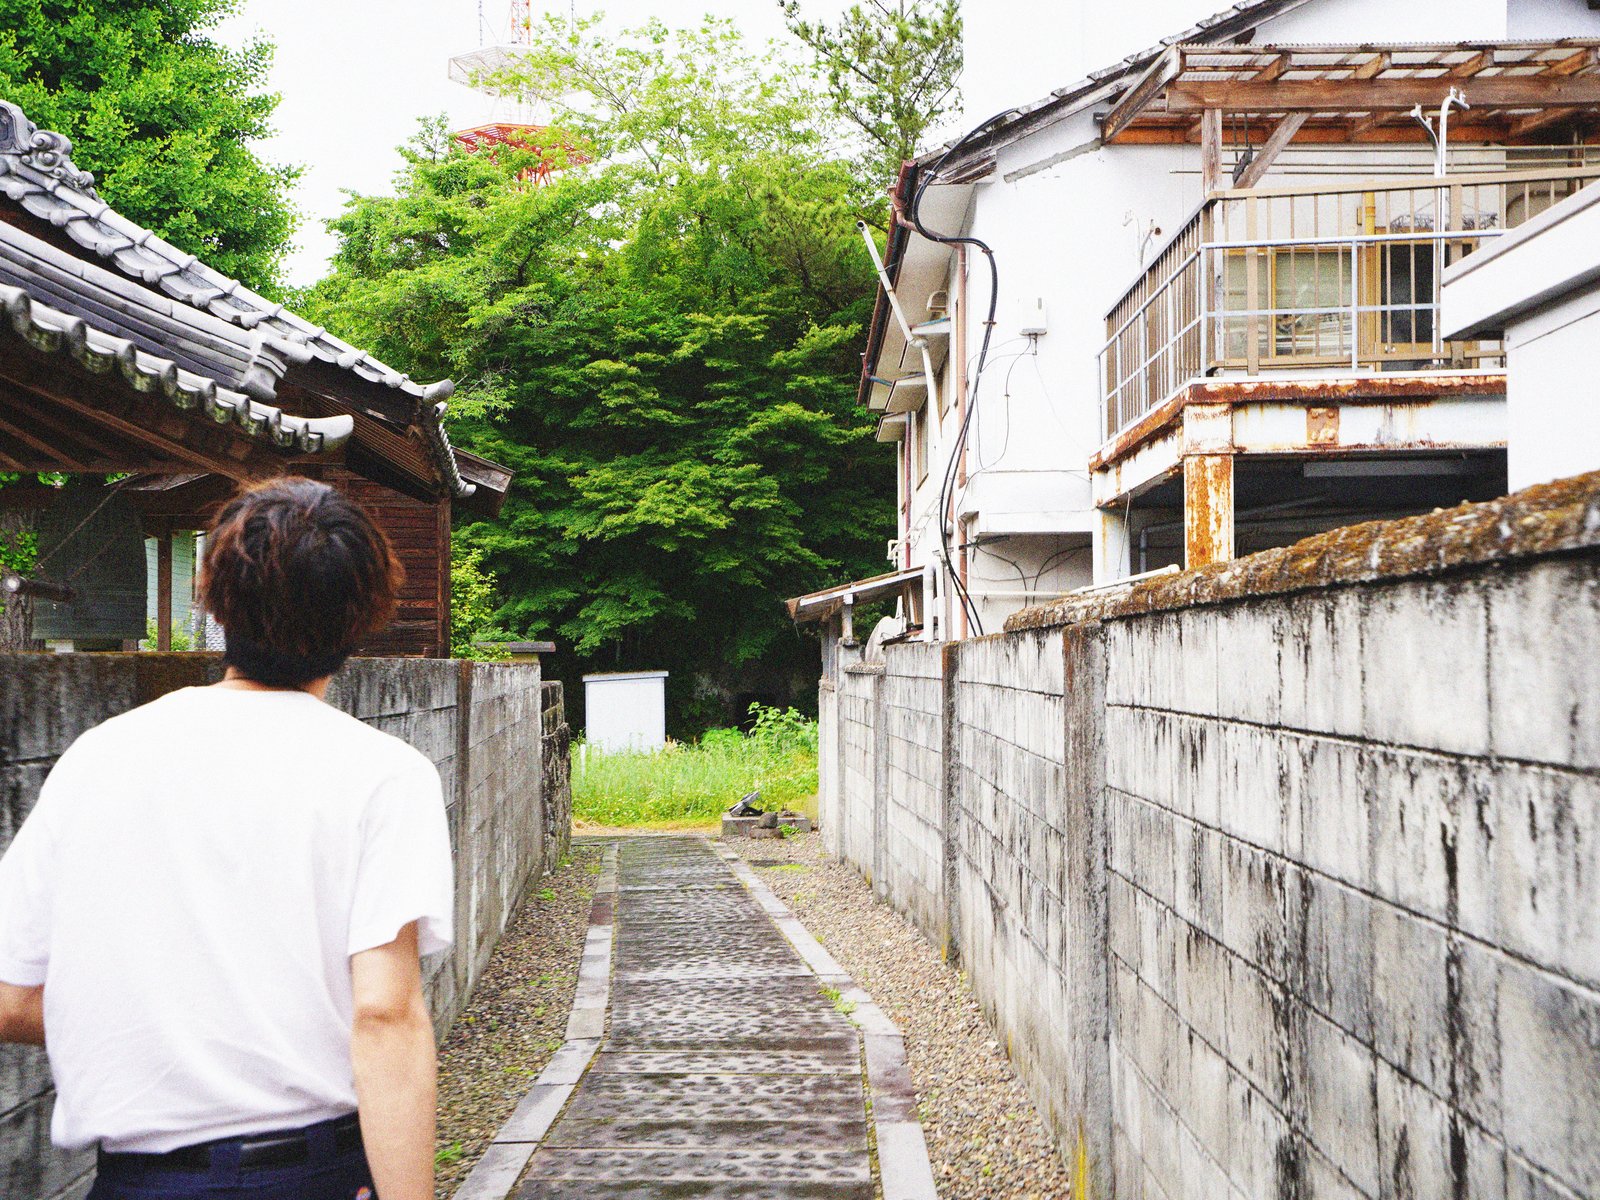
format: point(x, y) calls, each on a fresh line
point(1207, 509)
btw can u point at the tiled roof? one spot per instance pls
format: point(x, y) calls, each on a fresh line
point(55, 332)
point(37, 173)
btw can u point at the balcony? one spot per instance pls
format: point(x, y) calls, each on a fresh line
point(1338, 279)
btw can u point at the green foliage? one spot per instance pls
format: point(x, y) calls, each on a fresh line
point(473, 600)
point(698, 782)
point(18, 551)
point(662, 340)
point(890, 70)
point(182, 639)
point(163, 115)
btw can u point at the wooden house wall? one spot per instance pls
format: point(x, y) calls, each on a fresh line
point(421, 535)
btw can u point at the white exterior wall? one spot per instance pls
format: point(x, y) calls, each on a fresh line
point(1553, 393)
point(1074, 234)
point(625, 712)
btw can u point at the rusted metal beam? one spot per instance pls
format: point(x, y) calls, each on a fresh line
point(1207, 509)
point(1282, 134)
point(1369, 95)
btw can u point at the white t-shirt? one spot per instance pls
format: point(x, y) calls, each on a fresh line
point(189, 889)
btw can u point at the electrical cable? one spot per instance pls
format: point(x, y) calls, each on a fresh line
point(967, 604)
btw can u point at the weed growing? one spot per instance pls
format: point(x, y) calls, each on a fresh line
point(686, 783)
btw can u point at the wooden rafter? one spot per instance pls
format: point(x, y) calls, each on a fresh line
point(1583, 60)
point(1281, 135)
point(1372, 67)
point(1273, 70)
point(1480, 61)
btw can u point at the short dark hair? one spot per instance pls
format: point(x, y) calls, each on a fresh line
point(297, 575)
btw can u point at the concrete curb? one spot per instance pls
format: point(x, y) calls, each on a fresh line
point(502, 1164)
point(903, 1164)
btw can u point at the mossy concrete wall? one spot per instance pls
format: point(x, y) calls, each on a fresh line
point(496, 733)
point(1279, 878)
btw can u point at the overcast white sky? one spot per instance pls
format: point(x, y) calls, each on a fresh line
point(356, 74)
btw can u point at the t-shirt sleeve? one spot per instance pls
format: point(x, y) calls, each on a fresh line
point(405, 871)
point(25, 899)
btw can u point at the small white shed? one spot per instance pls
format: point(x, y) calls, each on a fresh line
point(626, 710)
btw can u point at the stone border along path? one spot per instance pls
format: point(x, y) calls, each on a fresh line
point(729, 1067)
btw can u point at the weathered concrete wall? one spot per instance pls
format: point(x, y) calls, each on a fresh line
point(480, 723)
point(1279, 879)
point(911, 873)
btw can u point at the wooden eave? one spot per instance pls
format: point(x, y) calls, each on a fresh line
point(1363, 93)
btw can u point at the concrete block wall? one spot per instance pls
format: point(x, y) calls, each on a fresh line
point(1280, 879)
point(480, 723)
point(854, 836)
point(1352, 881)
point(912, 867)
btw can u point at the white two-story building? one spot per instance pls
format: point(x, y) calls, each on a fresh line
point(1185, 307)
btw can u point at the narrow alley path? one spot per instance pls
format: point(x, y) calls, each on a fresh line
point(725, 1061)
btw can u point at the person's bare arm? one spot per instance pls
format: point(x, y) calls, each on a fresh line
point(392, 1052)
point(21, 1014)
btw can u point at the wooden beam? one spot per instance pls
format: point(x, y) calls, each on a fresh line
point(1210, 150)
point(144, 422)
point(1162, 72)
point(1369, 95)
point(1330, 133)
point(1282, 134)
point(1467, 68)
point(1573, 63)
point(1273, 70)
point(70, 462)
point(1533, 122)
point(1376, 65)
point(164, 591)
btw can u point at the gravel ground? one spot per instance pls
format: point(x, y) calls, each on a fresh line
point(517, 1016)
point(985, 1138)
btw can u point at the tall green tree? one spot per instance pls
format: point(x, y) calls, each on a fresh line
point(163, 115)
point(891, 70)
point(662, 340)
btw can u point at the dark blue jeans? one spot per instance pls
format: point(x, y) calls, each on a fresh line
point(327, 1174)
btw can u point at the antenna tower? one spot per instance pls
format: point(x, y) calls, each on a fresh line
point(519, 133)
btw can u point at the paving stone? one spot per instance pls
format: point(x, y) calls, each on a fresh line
point(725, 1070)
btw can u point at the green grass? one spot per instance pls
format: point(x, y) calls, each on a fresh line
point(693, 783)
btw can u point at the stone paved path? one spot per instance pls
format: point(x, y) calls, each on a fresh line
point(725, 1070)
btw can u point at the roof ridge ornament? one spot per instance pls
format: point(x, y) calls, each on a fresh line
point(45, 151)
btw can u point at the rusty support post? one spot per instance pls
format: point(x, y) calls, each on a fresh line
point(164, 590)
point(1207, 484)
point(1207, 509)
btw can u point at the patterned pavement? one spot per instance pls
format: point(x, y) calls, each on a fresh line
point(724, 1071)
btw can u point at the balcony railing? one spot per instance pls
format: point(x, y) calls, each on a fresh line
point(1344, 277)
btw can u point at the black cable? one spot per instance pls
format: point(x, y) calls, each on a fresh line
point(915, 214)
